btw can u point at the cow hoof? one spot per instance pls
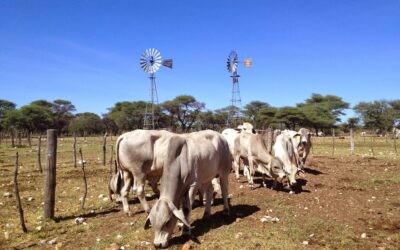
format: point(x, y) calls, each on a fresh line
point(206, 216)
point(186, 233)
point(226, 212)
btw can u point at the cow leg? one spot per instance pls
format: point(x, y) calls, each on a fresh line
point(125, 191)
point(187, 203)
point(251, 174)
point(153, 184)
point(208, 189)
point(140, 182)
point(224, 189)
point(236, 162)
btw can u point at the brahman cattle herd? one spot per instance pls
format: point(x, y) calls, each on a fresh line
point(200, 163)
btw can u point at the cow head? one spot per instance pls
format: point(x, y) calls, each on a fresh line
point(163, 217)
point(305, 137)
point(276, 169)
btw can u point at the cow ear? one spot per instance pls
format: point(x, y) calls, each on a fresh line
point(147, 224)
point(179, 214)
point(297, 134)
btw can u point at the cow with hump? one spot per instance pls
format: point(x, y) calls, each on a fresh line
point(193, 161)
point(140, 157)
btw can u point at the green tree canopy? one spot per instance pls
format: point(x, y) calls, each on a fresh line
point(382, 114)
point(88, 123)
point(184, 109)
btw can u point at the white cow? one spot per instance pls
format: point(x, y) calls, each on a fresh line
point(202, 156)
point(284, 150)
point(302, 144)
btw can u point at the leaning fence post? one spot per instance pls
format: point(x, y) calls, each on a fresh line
point(39, 145)
point(333, 141)
point(16, 190)
point(104, 148)
point(74, 149)
point(84, 178)
point(395, 146)
point(50, 179)
point(351, 141)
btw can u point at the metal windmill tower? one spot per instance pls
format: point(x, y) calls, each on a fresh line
point(236, 102)
point(150, 62)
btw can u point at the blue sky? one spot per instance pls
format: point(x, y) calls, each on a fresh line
point(88, 51)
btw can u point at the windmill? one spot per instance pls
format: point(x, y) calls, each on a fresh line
point(236, 102)
point(150, 62)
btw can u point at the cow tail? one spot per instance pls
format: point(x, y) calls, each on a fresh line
point(120, 180)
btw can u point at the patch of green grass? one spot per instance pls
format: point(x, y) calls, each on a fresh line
point(389, 178)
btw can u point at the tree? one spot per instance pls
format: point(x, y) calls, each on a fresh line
point(127, 115)
point(252, 112)
point(4, 107)
point(290, 116)
point(62, 110)
point(267, 116)
point(334, 104)
point(318, 117)
point(88, 123)
point(37, 118)
point(382, 115)
point(184, 109)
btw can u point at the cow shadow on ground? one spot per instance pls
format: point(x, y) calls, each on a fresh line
point(281, 188)
point(216, 220)
point(312, 171)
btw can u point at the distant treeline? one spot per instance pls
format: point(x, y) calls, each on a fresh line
point(185, 113)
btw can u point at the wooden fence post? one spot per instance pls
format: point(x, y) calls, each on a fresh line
point(16, 189)
point(395, 146)
point(371, 145)
point(110, 177)
point(333, 141)
point(50, 179)
point(104, 148)
point(351, 141)
point(39, 145)
point(29, 139)
point(74, 149)
point(12, 139)
point(84, 179)
point(19, 139)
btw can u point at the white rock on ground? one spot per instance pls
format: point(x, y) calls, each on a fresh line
point(30, 198)
point(101, 196)
point(119, 236)
point(79, 220)
point(363, 235)
point(6, 235)
point(238, 235)
point(275, 220)
point(144, 243)
point(52, 241)
point(305, 242)
point(7, 194)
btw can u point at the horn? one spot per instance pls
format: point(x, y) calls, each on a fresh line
point(167, 63)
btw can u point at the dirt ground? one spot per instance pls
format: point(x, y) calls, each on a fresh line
point(343, 203)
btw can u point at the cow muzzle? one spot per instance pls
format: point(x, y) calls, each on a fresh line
point(160, 244)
